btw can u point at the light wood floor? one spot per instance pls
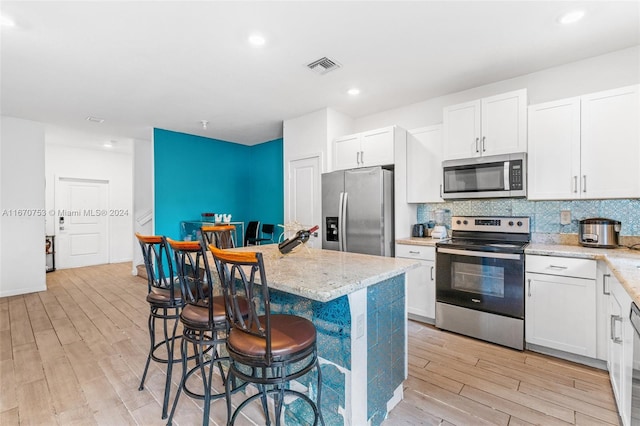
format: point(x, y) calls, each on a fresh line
point(75, 353)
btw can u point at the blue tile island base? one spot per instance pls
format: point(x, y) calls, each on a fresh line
point(361, 339)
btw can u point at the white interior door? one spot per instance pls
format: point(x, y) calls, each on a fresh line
point(304, 195)
point(81, 222)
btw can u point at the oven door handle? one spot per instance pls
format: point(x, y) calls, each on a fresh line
point(488, 254)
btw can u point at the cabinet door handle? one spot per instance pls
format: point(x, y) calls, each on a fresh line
point(604, 284)
point(440, 190)
point(529, 287)
point(483, 145)
point(477, 140)
point(414, 252)
point(432, 278)
point(557, 267)
point(615, 318)
point(584, 183)
point(362, 157)
point(575, 184)
point(358, 157)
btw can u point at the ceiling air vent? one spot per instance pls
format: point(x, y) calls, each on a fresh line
point(323, 65)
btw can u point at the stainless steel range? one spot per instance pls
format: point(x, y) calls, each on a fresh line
point(480, 278)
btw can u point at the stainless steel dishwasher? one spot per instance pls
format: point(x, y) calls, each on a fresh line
point(635, 383)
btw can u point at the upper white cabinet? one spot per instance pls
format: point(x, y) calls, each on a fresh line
point(586, 147)
point(554, 150)
point(610, 144)
point(488, 126)
point(424, 165)
point(371, 148)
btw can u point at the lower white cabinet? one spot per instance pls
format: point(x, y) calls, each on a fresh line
point(560, 306)
point(620, 347)
point(421, 282)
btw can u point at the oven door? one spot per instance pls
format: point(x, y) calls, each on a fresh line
point(485, 281)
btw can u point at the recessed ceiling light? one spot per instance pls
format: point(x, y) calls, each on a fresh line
point(109, 144)
point(354, 91)
point(5, 21)
point(571, 17)
point(256, 40)
point(94, 119)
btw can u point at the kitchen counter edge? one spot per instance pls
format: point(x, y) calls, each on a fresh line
point(417, 241)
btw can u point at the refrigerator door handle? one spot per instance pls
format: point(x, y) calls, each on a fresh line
point(343, 228)
point(340, 221)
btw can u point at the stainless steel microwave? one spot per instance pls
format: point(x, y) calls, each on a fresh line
point(494, 176)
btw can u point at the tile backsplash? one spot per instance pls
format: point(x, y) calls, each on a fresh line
point(545, 215)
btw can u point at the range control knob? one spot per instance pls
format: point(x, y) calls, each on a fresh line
point(519, 223)
point(458, 222)
point(465, 222)
point(510, 223)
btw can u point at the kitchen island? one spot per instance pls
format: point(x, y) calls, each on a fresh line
point(357, 303)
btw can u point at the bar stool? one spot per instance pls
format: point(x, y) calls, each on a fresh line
point(165, 302)
point(219, 235)
point(268, 350)
point(204, 323)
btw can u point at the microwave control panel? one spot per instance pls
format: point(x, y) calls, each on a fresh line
point(515, 175)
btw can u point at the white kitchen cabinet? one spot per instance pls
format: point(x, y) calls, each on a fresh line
point(585, 147)
point(424, 165)
point(610, 144)
point(488, 126)
point(620, 356)
point(554, 150)
point(421, 282)
point(560, 307)
point(371, 148)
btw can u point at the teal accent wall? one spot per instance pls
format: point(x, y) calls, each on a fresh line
point(545, 215)
point(267, 183)
point(194, 174)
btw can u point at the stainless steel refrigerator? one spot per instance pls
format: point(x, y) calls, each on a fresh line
point(357, 211)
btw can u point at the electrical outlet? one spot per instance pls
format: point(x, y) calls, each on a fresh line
point(565, 217)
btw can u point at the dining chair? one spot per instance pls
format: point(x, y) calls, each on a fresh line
point(165, 303)
point(204, 325)
point(266, 235)
point(252, 232)
point(266, 349)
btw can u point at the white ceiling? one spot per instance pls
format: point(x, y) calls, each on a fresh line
point(146, 64)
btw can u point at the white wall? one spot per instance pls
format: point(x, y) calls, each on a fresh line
point(99, 164)
point(616, 69)
point(22, 242)
point(142, 194)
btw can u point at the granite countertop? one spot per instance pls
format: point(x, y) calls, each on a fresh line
point(623, 263)
point(324, 275)
point(417, 241)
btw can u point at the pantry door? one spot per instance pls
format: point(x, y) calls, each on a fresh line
point(304, 196)
point(81, 222)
